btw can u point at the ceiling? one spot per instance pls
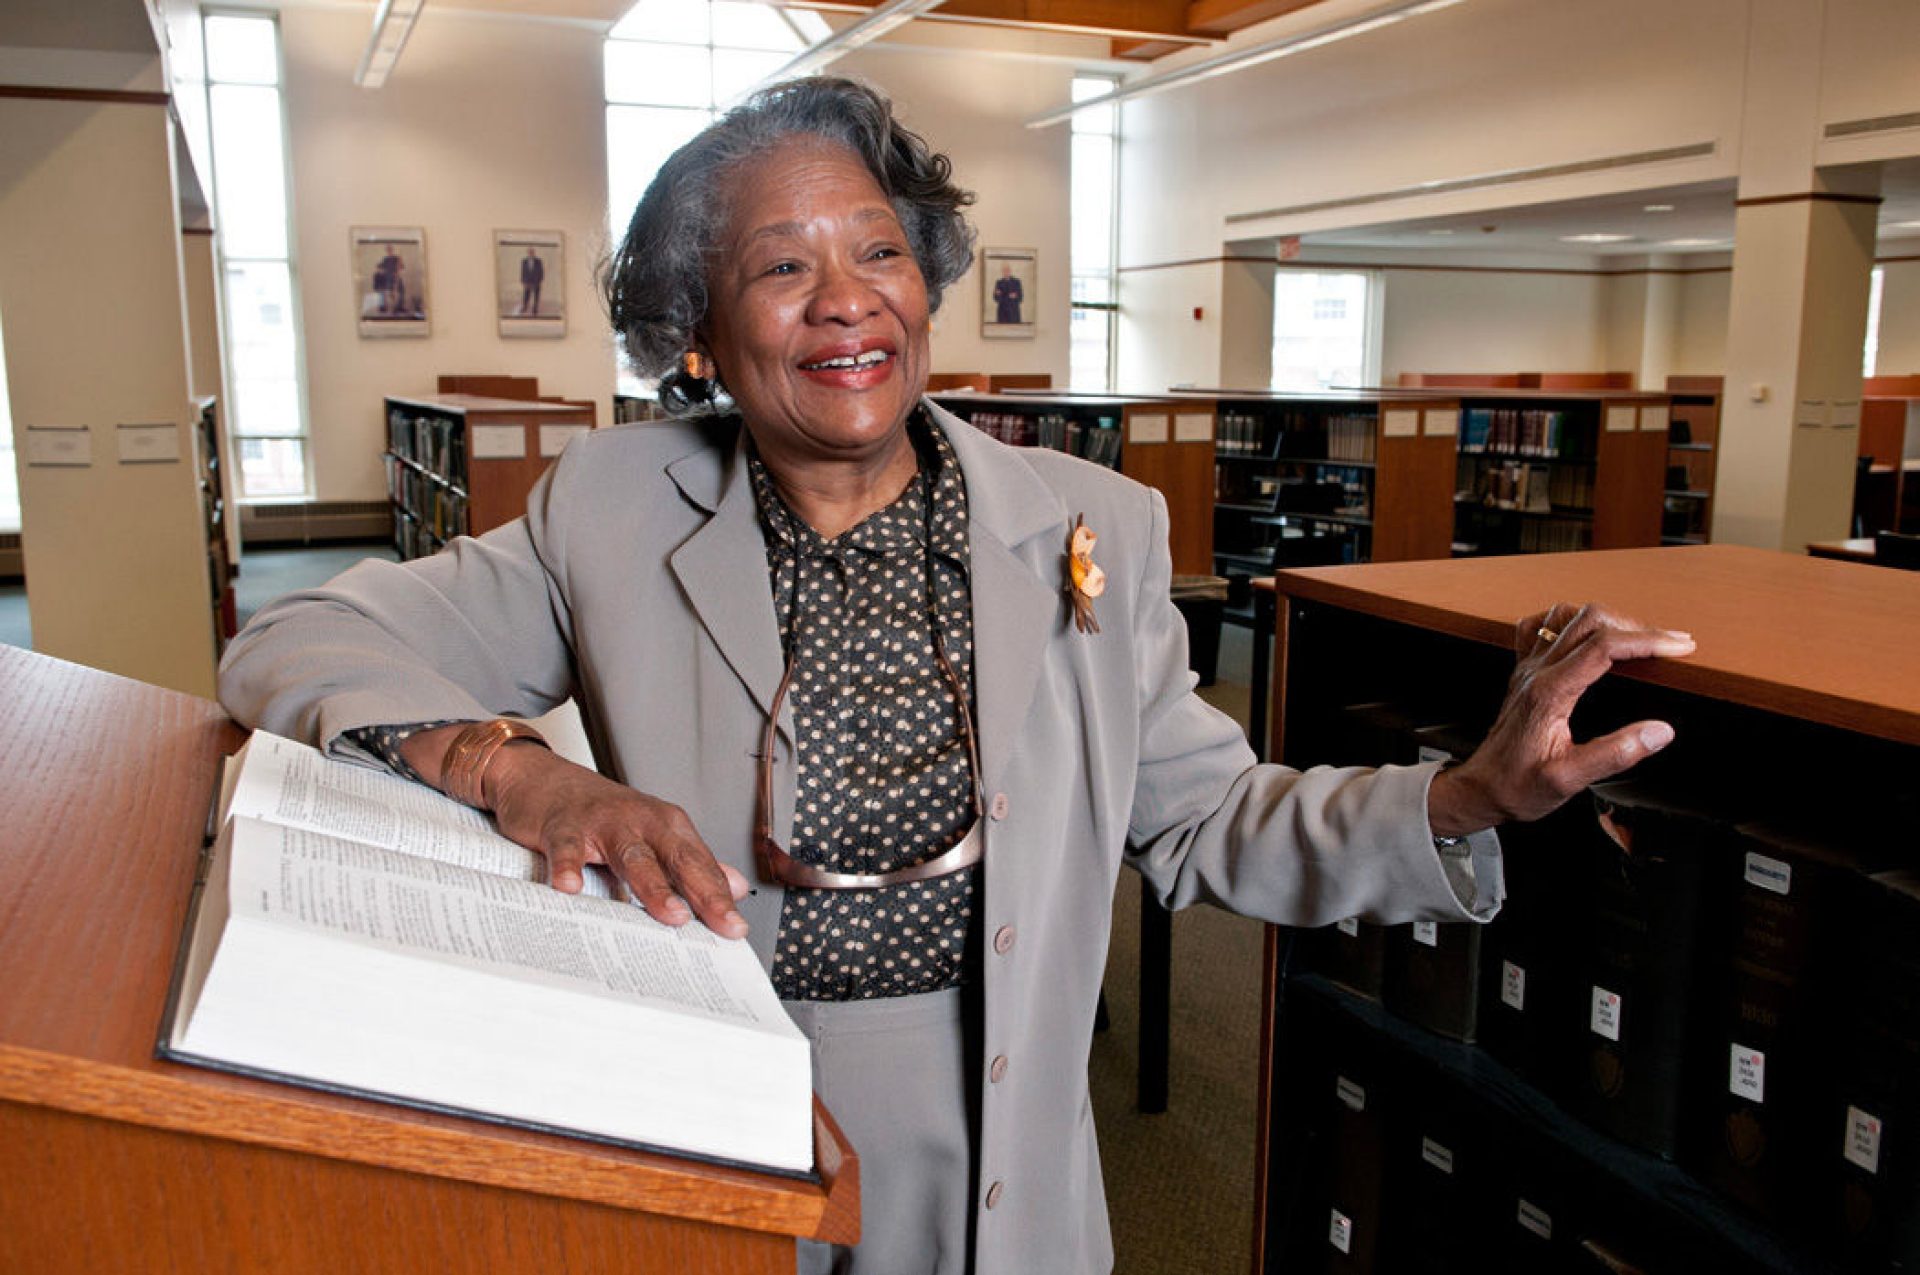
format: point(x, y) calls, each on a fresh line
point(1699, 217)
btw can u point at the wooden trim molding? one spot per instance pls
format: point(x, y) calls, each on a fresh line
point(197, 230)
point(127, 97)
point(1811, 196)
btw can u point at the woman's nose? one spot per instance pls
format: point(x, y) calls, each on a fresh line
point(842, 295)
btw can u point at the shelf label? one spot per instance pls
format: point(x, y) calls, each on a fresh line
point(1400, 422)
point(1653, 420)
point(1769, 874)
point(554, 438)
point(149, 444)
point(1147, 427)
point(1193, 427)
point(59, 446)
point(1443, 423)
point(1436, 1155)
point(1536, 1219)
point(1513, 985)
point(1747, 1078)
point(1620, 419)
point(1605, 1020)
point(1340, 1234)
point(1426, 933)
point(499, 442)
point(1350, 1094)
point(1863, 1140)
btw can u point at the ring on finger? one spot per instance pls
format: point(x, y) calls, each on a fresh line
point(1547, 635)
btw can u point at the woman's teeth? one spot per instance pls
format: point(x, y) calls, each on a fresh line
point(868, 359)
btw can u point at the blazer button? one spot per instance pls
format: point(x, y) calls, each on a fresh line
point(998, 1071)
point(994, 1192)
point(998, 809)
point(1003, 939)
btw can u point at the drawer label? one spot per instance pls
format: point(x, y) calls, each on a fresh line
point(1605, 1020)
point(1747, 1077)
point(1340, 1233)
point(1769, 874)
point(1536, 1219)
point(1863, 1140)
point(1350, 1094)
point(1426, 933)
point(1440, 1157)
point(1513, 985)
point(1350, 927)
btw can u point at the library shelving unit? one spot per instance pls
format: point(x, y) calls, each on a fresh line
point(1546, 470)
point(1784, 1091)
point(1888, 498)
point(1693, 440)
point(1165, 442)
point(461, 464)
point(1310, 479)
point(210, 476)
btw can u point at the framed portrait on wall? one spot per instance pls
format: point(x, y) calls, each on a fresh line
point(390, 280)
point(530, 282)
point(1008, 300)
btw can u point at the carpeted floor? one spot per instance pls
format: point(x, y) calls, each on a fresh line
point(1179, 1184)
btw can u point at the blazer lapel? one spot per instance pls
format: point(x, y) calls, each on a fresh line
point(1010, 515)
point(723, 567)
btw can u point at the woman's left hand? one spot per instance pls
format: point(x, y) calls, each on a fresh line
point(1529, 763)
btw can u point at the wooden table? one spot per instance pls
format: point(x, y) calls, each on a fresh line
point(115, 1161)
point(1857, 550)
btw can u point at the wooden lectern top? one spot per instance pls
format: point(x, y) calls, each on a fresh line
point(109, 784)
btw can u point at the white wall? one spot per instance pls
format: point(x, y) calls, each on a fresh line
point(1448, 321)
point(1900, 317)
point(488, 124)
point(968, 92)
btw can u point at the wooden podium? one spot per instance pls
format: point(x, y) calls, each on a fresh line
point(116, 1161)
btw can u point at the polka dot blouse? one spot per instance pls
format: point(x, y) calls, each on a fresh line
point(883, 774)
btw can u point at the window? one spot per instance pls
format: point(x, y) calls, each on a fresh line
point(9, 476)
point(671, 67)
point(268, 412)
point(1093, 182)
point(1325, 328)
point(1876, 291)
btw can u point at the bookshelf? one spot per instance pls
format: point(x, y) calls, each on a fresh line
point(1547, 471)
point(1307, 479)
point(210, 477)
point(1165, 442)
point(462, 464)
point(1888, 498)
point(1503, 1155)
point(1693, 439)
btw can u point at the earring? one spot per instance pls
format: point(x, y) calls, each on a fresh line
point(694, 388)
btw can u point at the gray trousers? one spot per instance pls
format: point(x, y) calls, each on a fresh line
point(900, 1075)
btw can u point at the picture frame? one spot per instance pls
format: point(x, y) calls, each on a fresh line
point(1009, 295)
point(390, 288)
point(529, 282)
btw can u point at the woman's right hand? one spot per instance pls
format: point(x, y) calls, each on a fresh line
point(575, 816)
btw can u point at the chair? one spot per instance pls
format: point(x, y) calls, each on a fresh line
point(1897, 549)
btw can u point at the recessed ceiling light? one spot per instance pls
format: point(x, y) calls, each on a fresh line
point(1903, 225)
point(1694, 243)
point(1658, 208)
point(1596, 237)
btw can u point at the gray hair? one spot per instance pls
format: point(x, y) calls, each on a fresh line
point(656, 282)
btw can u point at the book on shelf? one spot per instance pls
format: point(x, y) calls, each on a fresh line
point(357, 933)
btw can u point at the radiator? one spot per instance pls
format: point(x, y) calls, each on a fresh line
point(316, 520)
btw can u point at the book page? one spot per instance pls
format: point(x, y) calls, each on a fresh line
point(484, 921)
point(283, 782)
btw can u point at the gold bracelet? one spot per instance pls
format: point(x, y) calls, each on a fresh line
point(467, 756)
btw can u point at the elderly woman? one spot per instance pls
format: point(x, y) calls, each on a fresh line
point(822, 637)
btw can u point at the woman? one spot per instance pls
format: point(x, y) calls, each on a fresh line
point(823, 641)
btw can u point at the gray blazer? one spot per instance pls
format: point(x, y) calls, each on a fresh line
point(637, 582)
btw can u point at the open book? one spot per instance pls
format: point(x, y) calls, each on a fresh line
point(357, 932)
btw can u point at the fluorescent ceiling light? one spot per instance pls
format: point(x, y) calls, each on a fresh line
point(1241, 59)
point(1658, 208)
point(1439, 232)
point(1597, 237)
point(844, 41)
point(392, 24)
point(1903, 225)
point(1694, 243)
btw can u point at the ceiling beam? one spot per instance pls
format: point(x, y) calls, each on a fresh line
point(1158, 20)
point(1223, 17)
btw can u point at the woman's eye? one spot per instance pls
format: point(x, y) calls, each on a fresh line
point(784, 267)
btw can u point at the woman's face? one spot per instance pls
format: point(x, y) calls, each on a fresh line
point(818, 313)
